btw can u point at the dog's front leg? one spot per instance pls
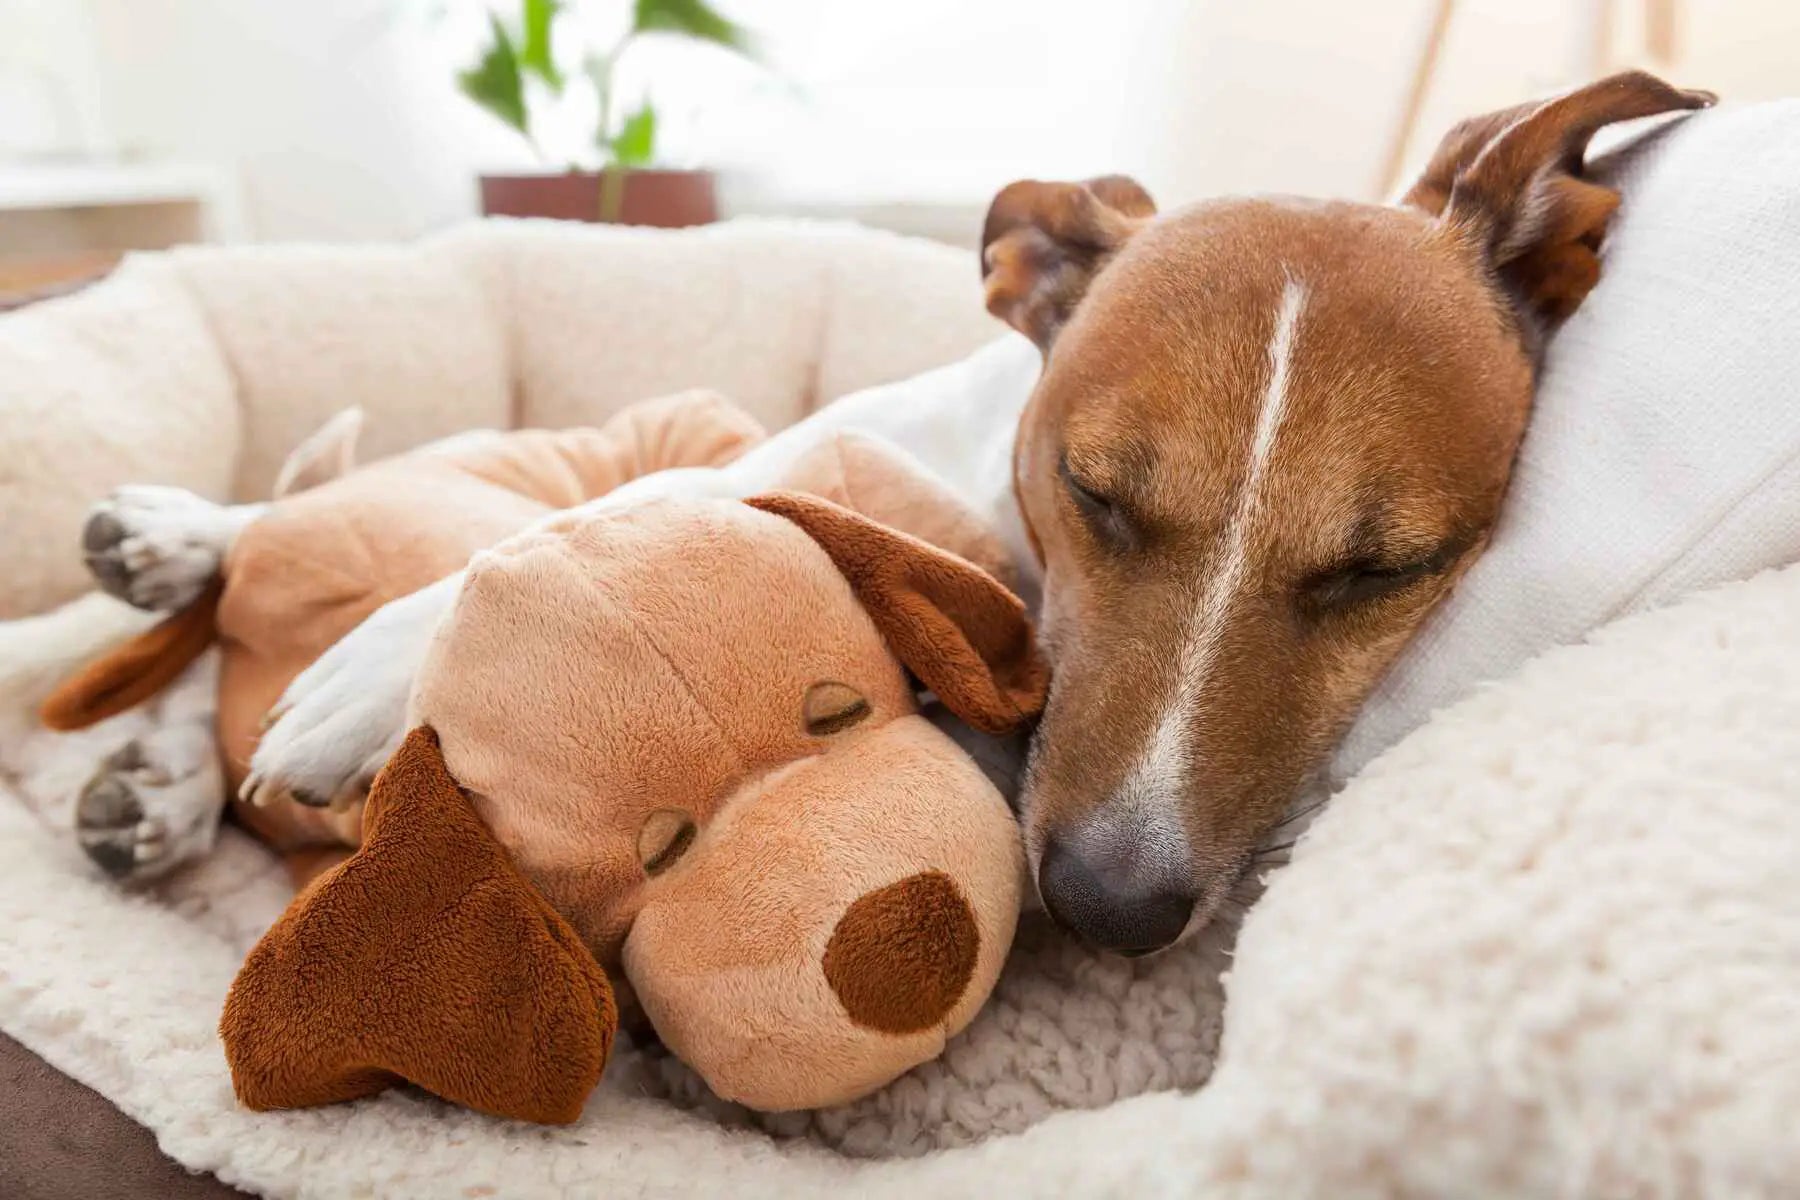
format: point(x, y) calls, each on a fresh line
point(341, 718)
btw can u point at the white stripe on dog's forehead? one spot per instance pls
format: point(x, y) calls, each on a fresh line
point(1162, 767)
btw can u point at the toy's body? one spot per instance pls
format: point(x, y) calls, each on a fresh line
point(337, 543)
point(320, 560)
point(688, 735)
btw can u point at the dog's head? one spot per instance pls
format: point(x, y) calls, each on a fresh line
point(1269, 436)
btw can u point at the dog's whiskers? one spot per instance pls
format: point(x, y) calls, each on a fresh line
point(1299, 814)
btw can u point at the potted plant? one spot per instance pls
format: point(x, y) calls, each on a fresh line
point(526, 59)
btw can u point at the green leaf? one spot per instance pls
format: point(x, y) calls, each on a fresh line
point(691, 18)
point(635, 145)
point(494, 82)
point(535, 53)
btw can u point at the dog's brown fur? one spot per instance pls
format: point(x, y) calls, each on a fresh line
point(1405, 382)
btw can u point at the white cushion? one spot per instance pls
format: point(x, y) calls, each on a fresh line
point(312, 330)
point(120, 384)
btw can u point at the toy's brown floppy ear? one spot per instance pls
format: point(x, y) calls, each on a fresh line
point(1043, 243)
point(954, 626)
point(1512, 184)
point(424, 958)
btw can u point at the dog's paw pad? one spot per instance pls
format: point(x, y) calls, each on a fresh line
point(137, 825)
point(156, 548)
point(108, 817)
point(100, 540)
point(103, 531)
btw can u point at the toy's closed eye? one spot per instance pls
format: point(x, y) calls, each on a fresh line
point(832, 708)
point(665, 837)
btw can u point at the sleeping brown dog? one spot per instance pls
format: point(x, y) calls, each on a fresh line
point(671, 749)
point(1268, 437)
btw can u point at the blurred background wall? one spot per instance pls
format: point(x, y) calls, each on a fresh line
point(340, 118)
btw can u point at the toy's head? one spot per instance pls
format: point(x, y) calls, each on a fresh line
point(692, 726)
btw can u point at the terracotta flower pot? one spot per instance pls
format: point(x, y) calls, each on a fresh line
point(670, 199)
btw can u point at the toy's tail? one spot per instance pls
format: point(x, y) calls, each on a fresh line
point(135, 671)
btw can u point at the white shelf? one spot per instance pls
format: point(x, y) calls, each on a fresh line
point(85, 186)
point(205, 196)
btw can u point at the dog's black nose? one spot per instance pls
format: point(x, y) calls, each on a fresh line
point(1129, 903)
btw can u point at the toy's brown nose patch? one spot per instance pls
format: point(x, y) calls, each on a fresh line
point(901, 956)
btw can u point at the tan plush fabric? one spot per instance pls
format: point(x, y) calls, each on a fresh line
point(704, 628)
point(600, 677)
point(203, 367)
point(868, 475)
point(663, 712)
point(320, 561)
point(965, 639)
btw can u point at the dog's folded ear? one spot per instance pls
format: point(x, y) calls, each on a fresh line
point(1511, 184)
point(953, 625)
point(1043, 243)
point(132, 672)
point(424, 958)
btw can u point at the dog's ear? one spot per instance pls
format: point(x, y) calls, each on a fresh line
point(328, 453)
point(954, 626)
point(426, 958)
point(129, 674)
point(1511, 185)
point(1042, 244)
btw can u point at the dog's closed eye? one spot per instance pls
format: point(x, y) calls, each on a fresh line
point(832, 708)
point(1104, 515)
point(1358, 584)
point(1363, 581)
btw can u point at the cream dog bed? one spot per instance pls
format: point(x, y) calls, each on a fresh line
point(1548, 945)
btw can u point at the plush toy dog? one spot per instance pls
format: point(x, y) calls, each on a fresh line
point(672, 751)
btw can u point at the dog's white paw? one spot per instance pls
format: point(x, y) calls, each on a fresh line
point(158, 547)
point(147, 811)
point(343, 717)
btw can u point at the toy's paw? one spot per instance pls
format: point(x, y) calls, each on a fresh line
point(342, 718)
point(157, 547)
point(140, 816)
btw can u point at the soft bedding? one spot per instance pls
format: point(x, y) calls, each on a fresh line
point(1545, 947)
